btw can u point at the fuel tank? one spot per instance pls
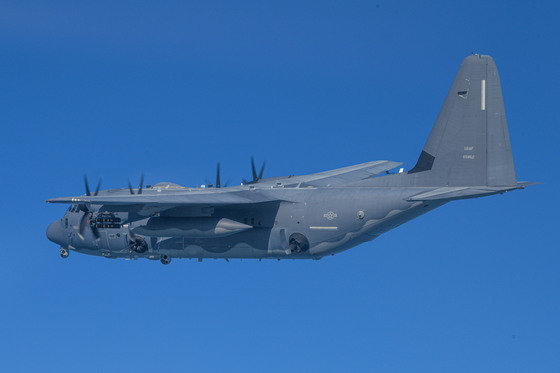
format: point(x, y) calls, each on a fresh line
point(200, 227)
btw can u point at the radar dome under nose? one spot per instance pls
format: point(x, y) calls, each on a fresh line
point(55, 232)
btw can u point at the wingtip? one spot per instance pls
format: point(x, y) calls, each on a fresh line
point(523, 184)
point(65, 200)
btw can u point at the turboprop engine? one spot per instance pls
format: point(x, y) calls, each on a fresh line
point(200, 227)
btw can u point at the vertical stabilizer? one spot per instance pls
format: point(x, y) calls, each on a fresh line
point(469, 143)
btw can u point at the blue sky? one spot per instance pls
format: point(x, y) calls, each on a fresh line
point(115, 89)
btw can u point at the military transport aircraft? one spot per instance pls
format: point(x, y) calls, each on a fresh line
point(467, 155)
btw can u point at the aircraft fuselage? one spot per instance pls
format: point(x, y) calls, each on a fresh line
point(331, 219)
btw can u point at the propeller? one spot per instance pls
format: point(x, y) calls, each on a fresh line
point(256, 176)
point(218, 185)
point(86, 217)
point(85, 222)
point(218, 179)
point(136, 243)
point(139, 187)
point(86, 184)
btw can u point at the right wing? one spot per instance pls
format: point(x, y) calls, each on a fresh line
point(346, 175)
point(339, 177)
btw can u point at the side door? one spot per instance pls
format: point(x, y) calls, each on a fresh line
point(116, 240)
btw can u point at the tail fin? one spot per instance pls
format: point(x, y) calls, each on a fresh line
point(469, 143)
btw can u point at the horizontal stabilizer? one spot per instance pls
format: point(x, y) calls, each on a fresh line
point(454, 193)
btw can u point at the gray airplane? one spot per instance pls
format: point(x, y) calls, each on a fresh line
point(467, 155)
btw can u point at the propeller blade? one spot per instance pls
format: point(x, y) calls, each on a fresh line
point(83, 224)
point(218, 185)
point(95, 232)
point(97, 188)
point(262, 170)
point(131, 236)
point(141, 183)
point(130, 187)
point(86, 185)
point(253, 169)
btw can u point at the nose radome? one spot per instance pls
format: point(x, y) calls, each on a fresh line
point(54, 232)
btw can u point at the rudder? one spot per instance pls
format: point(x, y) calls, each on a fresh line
point(469, 143)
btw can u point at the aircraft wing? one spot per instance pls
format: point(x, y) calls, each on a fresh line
point(347, 175)
point(193, 197)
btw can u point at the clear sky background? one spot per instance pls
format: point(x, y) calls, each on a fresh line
point(118, 88)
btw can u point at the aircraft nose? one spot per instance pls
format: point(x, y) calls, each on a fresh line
point(55, 232)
